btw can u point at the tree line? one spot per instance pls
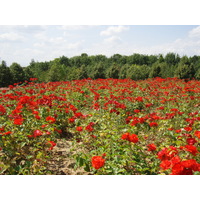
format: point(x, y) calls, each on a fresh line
point(136, 67)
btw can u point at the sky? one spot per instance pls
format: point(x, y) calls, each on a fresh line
point(22, 43)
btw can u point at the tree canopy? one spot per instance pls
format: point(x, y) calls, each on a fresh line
point(135, 66)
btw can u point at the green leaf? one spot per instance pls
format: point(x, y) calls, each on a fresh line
point(87, 167)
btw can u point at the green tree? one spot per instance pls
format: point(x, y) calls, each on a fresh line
point(113, 71)
point(5, 75)
point(57, 72)
point(28, 73)
point(197, 74)
point(172, 59)
point(137, 72)
point(82, 73)
point(17, 73)
point(160, 58)
point(123, 71)
point(64, 61)
point(185, 69)
point(98, 71)
point(155, 70)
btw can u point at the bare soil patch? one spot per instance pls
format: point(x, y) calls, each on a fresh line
point(62, 162)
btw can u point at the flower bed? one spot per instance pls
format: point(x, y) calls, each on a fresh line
point(121, 126)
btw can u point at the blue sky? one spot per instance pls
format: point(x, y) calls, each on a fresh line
point(20, 43)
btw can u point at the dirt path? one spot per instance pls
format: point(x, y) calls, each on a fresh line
point(62, 162)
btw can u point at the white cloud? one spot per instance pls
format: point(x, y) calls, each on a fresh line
point(114, 30)
point(22, 28)
point(39, 44)
point(75, 45)
point(74, 27)
point(56, 40)
point(113, 39)
point(40, 36)
point(11, 37)
point(195, 32)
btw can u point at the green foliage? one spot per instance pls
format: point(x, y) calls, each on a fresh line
point(17, 72)
point(113, 71)
point(172, 59)
point(98, 71)
point(28, 73)
point(185, 69)
point(136, 72)
point(81, 73)
point(136, 66)
point(123, 71)
point(155, 71)
point(57, 72)
point(5, 75)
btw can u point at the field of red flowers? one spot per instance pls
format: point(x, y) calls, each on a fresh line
point(114, 126)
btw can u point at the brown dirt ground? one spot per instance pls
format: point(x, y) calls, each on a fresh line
point(62, 162)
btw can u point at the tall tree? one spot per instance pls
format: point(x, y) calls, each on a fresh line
point(172, 58)
point(185, 69)
point(17, 73)
point(113, 71)
point(5, 75)
point(98, 71)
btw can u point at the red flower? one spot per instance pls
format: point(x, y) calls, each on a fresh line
point(191, 141)
point(48, 133)
point(139, 99)
point(130, 137)
point(152, 124)
point(133, 138)
point(192, 149)
point(7, 133)
point(136, 111)
point(104, 155)
point(161, 108)
point(36, 133)
point(53, 144)
point(191, 164)
point(37, 117)
point(78, 115)
point(125, 136)
point(174, 110)
point(18, 121)
point(188, 128)
point(177, 169)
point(44, 125)
point(175, 160)
point(197, 133)
point(79, 128)
point(186, 167)
point(151, 147)
point(148, 105)
point(165, 164)
point(167, 153)
point(2, 110)
point(71, 120)
point(98, 162)
point(89, 128)
point(50, 119)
